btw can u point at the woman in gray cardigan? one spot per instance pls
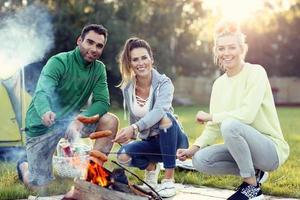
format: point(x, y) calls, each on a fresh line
point(148, 97)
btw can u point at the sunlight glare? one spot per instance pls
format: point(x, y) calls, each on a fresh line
point(234, 9)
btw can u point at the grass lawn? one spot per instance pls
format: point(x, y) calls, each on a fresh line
point(283, 182)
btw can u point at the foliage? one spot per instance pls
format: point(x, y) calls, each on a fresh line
point(179, 31)
point(275, 48)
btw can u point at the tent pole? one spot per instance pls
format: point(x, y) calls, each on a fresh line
point(23, 101)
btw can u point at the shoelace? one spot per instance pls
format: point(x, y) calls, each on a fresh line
point(250, 191)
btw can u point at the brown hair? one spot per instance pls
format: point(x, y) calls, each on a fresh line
point(125, 58)
point(101, 30)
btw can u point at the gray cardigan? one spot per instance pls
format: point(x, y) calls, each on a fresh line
point(160, 104)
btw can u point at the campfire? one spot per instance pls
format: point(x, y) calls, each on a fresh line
point(103, 184)
point(97, 174)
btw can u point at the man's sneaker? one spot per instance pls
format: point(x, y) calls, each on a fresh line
point(151, 177)
point(247, 192)
point(19, 163)
point(261, 176)
point(166, 188)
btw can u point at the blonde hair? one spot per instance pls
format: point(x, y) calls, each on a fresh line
point(224, 28)
point(125, 58)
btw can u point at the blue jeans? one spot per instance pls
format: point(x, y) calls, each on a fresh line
point(158, 148)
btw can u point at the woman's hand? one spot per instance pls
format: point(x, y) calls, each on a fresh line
point(202, 117)
point(124, 135)
point(183, 154)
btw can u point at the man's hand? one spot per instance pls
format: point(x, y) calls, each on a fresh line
point(124, 135)
point(183, 154)
point(48, 118)
point(202, 117)
point(73, 131)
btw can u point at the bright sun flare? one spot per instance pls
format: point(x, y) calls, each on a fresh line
point(240, 10)
point(234, 9)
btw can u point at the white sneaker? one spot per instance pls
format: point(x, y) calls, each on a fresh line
point(167, 188)
point(151, 177)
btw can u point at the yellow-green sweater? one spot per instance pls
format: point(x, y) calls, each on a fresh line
point(246, 97)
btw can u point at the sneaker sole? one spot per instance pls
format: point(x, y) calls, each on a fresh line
point(171, 194)
point(260, 197)
point(19, 171)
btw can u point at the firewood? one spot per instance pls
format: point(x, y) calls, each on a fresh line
point(89, 191)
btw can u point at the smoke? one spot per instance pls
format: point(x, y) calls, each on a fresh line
point(12, 153)
point(25, 37)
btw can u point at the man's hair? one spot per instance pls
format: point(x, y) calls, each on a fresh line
point(101, 30)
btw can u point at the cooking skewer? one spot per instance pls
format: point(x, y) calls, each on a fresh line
point(139, 153)
point(158, 197)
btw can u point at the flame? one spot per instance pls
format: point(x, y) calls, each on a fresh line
point(96, 174)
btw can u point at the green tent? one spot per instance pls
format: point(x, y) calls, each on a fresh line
point(14, 101)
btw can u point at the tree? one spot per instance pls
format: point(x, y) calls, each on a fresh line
point(179, 31)
point(276, 48)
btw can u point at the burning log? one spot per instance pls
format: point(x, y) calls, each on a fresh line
point(88, 191)
point(102, 184)
point(113, 185)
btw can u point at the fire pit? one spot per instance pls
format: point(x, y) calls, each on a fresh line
point(89, 191)
point(102, 184)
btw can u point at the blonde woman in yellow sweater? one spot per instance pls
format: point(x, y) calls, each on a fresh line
point(243, 113)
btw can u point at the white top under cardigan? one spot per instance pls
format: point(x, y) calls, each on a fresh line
point(138, 110)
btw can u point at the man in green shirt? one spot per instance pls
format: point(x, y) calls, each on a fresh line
point(64, 87)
